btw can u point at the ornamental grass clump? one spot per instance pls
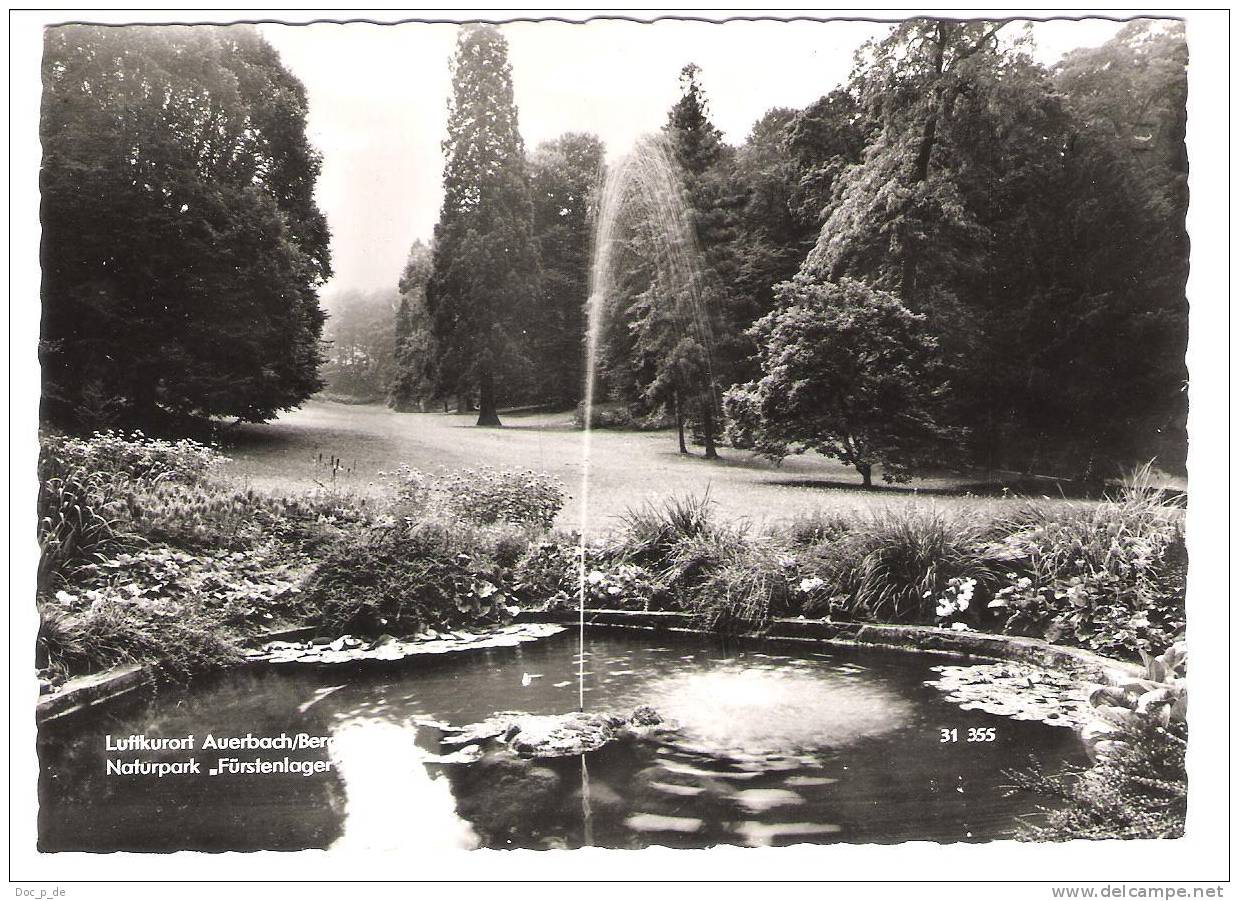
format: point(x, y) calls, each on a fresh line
point(679, 557)
point(895, 565)
point(113, 630)
point(749, 584)
point(652, 532)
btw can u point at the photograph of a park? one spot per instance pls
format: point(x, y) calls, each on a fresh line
point(612, 434)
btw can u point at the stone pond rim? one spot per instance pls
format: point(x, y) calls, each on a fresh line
point(913, 639)
point(99, 690)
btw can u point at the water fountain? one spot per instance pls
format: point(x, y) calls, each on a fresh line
point(642, 191)
point(644, 186)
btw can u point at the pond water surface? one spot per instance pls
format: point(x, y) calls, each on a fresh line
point(776, 746)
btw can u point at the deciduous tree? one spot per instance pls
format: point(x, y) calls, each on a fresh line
point(412, 382)
point(849, 372)
point(181, 249)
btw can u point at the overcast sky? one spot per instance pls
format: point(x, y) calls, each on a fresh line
point(378, 102)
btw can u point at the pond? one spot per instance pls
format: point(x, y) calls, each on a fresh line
point(777, 745)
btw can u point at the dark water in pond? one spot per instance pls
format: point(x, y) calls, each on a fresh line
point(777, 746)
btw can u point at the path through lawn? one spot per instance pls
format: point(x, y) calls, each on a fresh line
point(627, 468)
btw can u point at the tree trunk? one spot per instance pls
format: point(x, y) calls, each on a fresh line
point(866, 474)
point(679, 423)
point(707, 421)
point(488, 413)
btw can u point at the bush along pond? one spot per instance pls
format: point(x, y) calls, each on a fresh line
point(319, 657)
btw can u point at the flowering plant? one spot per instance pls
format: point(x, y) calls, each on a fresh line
point(954, 601)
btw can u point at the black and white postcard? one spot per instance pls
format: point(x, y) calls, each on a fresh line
point(606, 437)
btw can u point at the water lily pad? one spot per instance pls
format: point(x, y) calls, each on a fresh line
point(1018, 691)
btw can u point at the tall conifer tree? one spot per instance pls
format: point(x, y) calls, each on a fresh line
point(486, 271)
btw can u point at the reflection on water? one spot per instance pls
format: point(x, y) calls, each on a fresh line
point(774, 748)
point(385, 783)
point(763, 709)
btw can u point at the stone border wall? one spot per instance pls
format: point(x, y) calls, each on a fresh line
point(99, 689)
point(1076, 662)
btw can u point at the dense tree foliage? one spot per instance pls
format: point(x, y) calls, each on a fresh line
point(485, 281)
point(181, 246)
point(1128, 204)
point(785, 172)
point(1033, 218)
point(666, 341)
point(966, 136)
point(849, 372)
point(715, 355)
point(564, 178)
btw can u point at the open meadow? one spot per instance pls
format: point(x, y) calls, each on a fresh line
point(627, 469)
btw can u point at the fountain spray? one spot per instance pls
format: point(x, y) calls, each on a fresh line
point(641, 191)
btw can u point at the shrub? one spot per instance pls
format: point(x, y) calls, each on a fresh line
point(625, 586)
point(820, 527)
point(482, 496)
point(1111, 577)
point(158, 605)
point(231, 587)
point(628, 417)
point(86, 488)
point(405, 578)
point(194, 515)
point(207, 516)
point(134, 455)
point(486, 496)
point(548, 575)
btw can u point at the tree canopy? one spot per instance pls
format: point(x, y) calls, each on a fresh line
point(412, 381)
point(564, 177)
point(850, 372)
point(1023, 226)
point(360, 345)
point(1040, 240)
point(181, 249)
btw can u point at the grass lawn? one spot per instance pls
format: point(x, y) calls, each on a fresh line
point(626, 468)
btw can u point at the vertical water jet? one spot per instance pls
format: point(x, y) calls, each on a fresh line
point(642, 192)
